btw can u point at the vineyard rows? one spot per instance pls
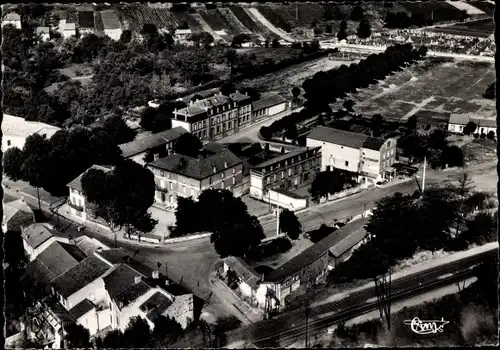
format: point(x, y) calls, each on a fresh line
point(239, 28)
point(140, 15)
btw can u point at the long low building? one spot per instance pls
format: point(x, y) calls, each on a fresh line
point(15, 130)
point(484, 126)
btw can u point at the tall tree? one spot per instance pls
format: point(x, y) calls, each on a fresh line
point(166, 331)
point(470, 128)
point(189, 145)
point(12, 162)
point(364, 29)
point(137, 333)
point(357, 13)
point(118, 130)
point(77, 336)
point(290, 224)
point(342, 34)
point(34, 169)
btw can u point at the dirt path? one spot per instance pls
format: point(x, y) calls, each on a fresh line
point(255, 12)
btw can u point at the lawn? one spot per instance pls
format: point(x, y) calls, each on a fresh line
point(434, 87)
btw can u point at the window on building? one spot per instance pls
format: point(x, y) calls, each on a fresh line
point(282, 174)
point(346, 163)
point(8, 143)
point(290, 172)
point(218, 129)
point(268, 179)
point(222, 175)
point(210, 181)
point(183, 189)
point(171, 186)
point(222, 185)
point(274, 177)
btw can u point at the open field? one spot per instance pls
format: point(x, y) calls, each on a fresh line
point(284, 80)
point(432, 90)
point(482, 28)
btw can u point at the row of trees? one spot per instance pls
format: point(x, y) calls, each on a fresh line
point(325, 87)
point(402, 224)
point(234, 231)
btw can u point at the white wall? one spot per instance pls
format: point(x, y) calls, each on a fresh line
point(256, 186)
point(284, 201)
point(245, 289)
point(335, 155)
point(277, 109)
point(94, 291)
point(113, 33)
point(371, 161)
point(78, 198)
point(185, 125)
point(16, 24)
point(9, 141)
point(455, 127)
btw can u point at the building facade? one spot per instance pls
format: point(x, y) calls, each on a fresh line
point(371, 158)
point(182, 176)
point(268, 106)
point(288, 171)
point(214, 117)
point(458, 122)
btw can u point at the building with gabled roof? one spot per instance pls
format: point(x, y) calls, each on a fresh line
point(369, 157)
point(182, 176)
point(17, 214)
point(13, 19)
point(457, 123)
point(36, 238)
point(160, 144)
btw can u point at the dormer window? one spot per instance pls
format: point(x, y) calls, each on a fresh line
point(225, 165)
point(214, 169)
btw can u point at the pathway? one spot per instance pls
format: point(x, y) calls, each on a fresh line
point(417, 108)
point(257, 15)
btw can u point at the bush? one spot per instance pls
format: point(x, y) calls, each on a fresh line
point(491, 135)
point(476, 135)
point(266, 132)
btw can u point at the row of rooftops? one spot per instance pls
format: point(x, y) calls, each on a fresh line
point(345, 138)
point(336, 243)
point(464, 119)
point(70, 267)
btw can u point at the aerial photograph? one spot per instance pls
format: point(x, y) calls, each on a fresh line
point(249, 175)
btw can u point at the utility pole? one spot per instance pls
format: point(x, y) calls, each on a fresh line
point(297, 12)
point(313, 284)
point(423, 175)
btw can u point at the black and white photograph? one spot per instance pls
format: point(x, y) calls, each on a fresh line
point(310, 174)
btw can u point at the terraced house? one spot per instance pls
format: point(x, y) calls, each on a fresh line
point(288, 171)
point(182, 176)
point(214, 117)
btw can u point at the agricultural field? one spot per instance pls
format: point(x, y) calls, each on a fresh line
point(482, 28)
point(431, 90)
point(186, 21)
point(233, 22)
point(138, 15)
point(486, 7)
point(245, 19)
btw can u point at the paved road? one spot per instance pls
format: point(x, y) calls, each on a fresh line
point(286, 329)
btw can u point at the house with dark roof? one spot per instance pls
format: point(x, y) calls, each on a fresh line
point(77, 200)
point(36, 238)
point(215, 116)
point(182, 176)
point(86, 23)
point(16, 214)
point(457, 123)
point(158, 145)
point(312, 264)
point(369, 157)
point(268, 106)
point(287, 172)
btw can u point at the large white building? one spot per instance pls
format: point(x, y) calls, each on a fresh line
point(13, 19)
point(458, 122)
point(15, 130)
point(371, 158)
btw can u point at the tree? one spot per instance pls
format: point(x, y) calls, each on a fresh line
point(452, 156)
point(437, 139)
point(364, 29)
point(491, 135)
point(234, 231)
point(290, 224)
point(470, 128)
point(227, 88)
point(118, 130)
point(112, 340)
point(377, 123)
point(266, 132)
point(357, 13)
point(203, 39)
point(126, 36)
point(166, 331)
point(224, 325)
point(183, 217)
point(77, 336)
point(330, 182)
point(240, 39)
point(291, 132)
point(295, 92)
point(12, 162)
point(157, 119)
point(490, 92)
point(34, 169)
point(411, 124)
point(189, 145)
point(137, 333)
point(275, 43)
point(342, 34)
point(481, 229)
point(348, 104)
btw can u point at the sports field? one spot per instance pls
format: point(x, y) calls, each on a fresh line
point(432, 90)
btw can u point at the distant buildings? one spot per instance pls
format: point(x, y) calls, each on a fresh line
point(44, 33)
point(160, 145)
point(371, 158)
point(13, 19)
point(15, 130)
point(181, 176)
point(217, 116)
point(182, 35)
point(458, 122)
point(286, 172)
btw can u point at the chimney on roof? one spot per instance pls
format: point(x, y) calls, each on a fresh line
point(137, 279)
point(182, 162)
point(215, 169)
point(155, 274)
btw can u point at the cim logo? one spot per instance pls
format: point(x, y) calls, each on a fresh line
point(426, 327)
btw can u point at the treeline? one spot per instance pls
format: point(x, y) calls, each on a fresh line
point(326, 87)
point(443, 218)
point(401, 20)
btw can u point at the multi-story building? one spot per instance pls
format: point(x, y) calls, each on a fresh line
point(370, 157)
point(288, 171)
point(160, 144)
point(77, 202)
point(214, 117)
point(182, 176)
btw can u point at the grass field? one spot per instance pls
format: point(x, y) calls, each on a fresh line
point(431, 90)
point(482, 28)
